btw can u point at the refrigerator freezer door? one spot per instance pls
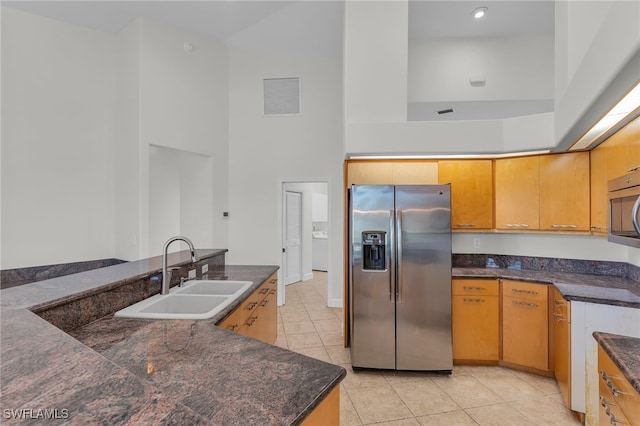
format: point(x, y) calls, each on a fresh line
point(372, 291)
point(423, 311)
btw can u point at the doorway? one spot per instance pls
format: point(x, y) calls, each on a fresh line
point(304, 231)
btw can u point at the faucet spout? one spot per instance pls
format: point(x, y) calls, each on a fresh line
point(166, 273)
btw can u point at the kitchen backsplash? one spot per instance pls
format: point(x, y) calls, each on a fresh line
point(577, 266)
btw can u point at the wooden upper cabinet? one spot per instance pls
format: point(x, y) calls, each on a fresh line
point(369, 173)
point(611, 159)
point(564, 192)
point(399, 172)
point(471, 192)
point(623, 150)
point(517, 195)
point(599, 197)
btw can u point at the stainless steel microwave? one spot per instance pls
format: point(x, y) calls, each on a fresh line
point(624, 208)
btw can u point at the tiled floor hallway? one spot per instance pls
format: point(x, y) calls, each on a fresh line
point(469, 396)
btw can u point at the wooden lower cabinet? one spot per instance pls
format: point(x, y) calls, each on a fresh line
point(562, 344)
point(619, 400)
point(327, 413)
point(257, 315)
point(525, 324)
point(475, 320)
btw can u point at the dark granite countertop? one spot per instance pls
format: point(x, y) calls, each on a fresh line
point(624, 351)
point(600, 289)
point(119, 370)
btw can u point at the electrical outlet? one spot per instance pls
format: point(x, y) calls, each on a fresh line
point(476, 243)
point(205, 268)
point(192, 274)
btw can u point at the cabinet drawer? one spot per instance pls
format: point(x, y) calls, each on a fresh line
point(465, 287)
point(609, 411)
point(615, 388)
point(524, 291)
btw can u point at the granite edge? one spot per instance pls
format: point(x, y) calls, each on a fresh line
point(617, 348)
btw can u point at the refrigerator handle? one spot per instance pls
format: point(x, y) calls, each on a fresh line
point(398, 263)
point(392, 255)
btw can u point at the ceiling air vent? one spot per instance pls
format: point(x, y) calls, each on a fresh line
point(281, 96)
point(445, 111)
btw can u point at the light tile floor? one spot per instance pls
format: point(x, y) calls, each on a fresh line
point(469, 396)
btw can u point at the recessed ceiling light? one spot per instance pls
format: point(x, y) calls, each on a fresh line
point(480, 12)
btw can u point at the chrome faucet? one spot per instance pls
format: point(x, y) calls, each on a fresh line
point(166, 274)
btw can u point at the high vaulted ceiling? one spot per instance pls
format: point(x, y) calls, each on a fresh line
point(226, 20)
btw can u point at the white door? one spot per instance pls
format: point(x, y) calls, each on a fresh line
point(292, 250)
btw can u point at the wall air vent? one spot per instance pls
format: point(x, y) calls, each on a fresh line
point(445, 111)
point(281, 96)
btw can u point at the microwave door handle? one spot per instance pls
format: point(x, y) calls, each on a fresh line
point(634, 215)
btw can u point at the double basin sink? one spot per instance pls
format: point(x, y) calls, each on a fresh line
point(195, 299)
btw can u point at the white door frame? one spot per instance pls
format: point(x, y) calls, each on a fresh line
point(281, 190)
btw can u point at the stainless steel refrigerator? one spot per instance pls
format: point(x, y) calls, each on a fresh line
point(400, 277)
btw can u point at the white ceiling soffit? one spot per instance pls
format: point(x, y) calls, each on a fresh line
point(452, 18)
point(477, 110)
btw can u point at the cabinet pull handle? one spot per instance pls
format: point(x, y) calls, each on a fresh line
point(613, 419)
point(273, 291)
point(530, 305)
point(559, 317)
point(473, 288)
point(563, 226)
point(232, 327)
point(251, 305)
point(252, 321)
point(559, 302)
point(465, 225)
point(473, 300)
point(265, 303)
point(517, 290)
point(604, 402)
point(517, 225)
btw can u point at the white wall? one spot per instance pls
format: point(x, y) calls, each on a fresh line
point(516, 68)
point(266, 151)
point(58, 107)
point(174, 135)
point(129, 155)
point(375, 61)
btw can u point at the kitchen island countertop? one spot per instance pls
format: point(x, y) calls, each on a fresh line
point(120, 370)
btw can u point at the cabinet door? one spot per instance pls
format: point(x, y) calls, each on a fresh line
point(564, 192)
point(517, 193)
point(267, 314)
point(415, 172)
point(599, 196)
point(369, 173)
point(525, 324)
point(475, 320)
point(399, 172)
point(562, 344)
point(471, 192)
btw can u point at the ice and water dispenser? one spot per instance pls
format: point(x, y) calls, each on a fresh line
point(373, 247)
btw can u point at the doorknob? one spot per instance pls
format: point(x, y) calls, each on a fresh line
point(284, 250)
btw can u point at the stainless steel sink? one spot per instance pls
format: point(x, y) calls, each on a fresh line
point(198, 299)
